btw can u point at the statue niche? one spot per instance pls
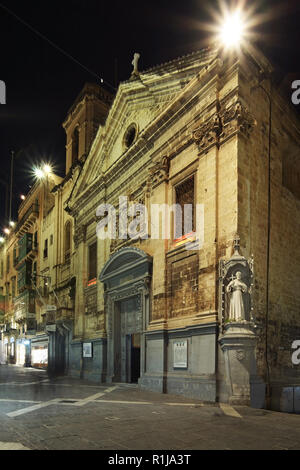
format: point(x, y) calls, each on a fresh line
point(237, 298)
point(236, 277)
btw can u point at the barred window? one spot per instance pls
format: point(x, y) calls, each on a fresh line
point(68, 233)
point(46, 248)
point(185, 197)
point(92, 262)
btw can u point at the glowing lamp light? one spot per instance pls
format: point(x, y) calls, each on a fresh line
point(2, 239)
point(47, 169)
point(6, 231)
point(12, 223)
point(232, 30)
point(22, 197)
point(39, 174)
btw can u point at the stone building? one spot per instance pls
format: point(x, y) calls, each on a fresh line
point(8, 292)
point(23, 280)
point(210, 309)
point(82, 121)
point(205, 129)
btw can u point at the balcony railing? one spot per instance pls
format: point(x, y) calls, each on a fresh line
point(28, 219)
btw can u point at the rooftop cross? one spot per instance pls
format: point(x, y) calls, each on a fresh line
point(135, 63)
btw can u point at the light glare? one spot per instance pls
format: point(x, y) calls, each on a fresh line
point(47, 169)
point(39, 174)
point(232, 30)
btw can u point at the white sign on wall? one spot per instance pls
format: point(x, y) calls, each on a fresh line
point(180, 354)
point(87, 350)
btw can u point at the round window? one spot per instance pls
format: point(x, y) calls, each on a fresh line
point(130, 135)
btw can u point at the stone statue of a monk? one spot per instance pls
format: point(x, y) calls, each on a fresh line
point(236, 288)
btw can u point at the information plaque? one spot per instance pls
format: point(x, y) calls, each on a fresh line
point(87, 350)
point(180, 354)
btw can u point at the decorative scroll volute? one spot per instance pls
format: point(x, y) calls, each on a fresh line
point(226, 122)
point(158, 173)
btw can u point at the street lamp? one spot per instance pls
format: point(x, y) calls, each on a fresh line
point(42, 172)
point(38, 173)
point(232, 29)
point(47, 169)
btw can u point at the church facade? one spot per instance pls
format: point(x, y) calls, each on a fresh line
point(171, 250)
point(206, 131)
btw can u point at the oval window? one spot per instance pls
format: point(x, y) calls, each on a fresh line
point(130, 135)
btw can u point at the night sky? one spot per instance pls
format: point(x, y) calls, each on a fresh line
point(42, 82)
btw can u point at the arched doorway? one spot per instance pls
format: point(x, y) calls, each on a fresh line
point(126, 277)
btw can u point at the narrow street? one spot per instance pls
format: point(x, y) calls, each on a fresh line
point(40, 413)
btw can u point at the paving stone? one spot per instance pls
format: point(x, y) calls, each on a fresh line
point(12, 446)
point(156, 426)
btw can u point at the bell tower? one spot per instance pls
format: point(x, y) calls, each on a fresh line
point(88, 111)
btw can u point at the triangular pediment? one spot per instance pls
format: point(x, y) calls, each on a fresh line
point(138, 102)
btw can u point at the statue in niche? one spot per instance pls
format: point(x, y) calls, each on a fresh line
point(236, 288)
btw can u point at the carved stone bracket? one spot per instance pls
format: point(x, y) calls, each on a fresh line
point(226, 122)
point(208, 133)
point(236, 118)
point(158, 173)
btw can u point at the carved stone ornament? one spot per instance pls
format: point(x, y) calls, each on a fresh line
point(236, 119)
point(208, 133)
point(158, 173)
point(241, 354)
point(226, 122)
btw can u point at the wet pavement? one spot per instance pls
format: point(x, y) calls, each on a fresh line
point(42, 413)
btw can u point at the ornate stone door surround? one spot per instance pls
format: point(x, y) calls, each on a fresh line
point(126, 274)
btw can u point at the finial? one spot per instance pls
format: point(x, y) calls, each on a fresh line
point(236, 244)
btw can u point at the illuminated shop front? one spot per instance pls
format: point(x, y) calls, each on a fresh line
point(4, 358)
point(22, 352)
point(39, 352)
point(11, 350)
